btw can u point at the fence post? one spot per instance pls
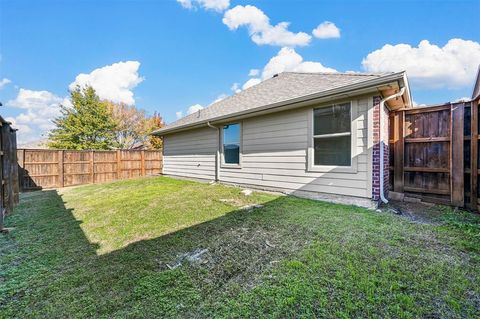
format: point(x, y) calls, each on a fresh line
point(5, 169)
point(61, 180)
point(23, 167)
point(21, 170)
point(398, 151)
point(143, 163)
point(11, 163)
point(474, 156)
point(15, 174)
point(119, 165)
point(456, 155)
point(92, 167)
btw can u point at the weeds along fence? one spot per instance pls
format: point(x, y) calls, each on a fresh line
point(434, 153)
point(60, 168)
point(9, 187)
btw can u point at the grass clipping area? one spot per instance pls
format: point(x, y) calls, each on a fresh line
point(160, 247)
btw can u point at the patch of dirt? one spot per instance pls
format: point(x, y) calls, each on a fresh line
point(196, 256)
point(247, 192)
point(429, 214)
point(232, 201)
point(239, 255)
point(243, 253)
point(239, 203)
point(420, 212)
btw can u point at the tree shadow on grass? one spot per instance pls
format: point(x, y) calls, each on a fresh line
point(53, 270)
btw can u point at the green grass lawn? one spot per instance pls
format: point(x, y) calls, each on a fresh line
point(110, 250)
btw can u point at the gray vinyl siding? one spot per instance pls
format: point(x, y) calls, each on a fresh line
point(190, 154)
point(274, 154)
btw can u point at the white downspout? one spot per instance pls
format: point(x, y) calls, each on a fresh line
point(382, 104)
point(217, 156)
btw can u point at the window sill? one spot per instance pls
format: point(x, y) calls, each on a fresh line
point(235, 166)
point(333, 169)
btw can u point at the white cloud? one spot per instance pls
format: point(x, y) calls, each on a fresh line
point(287, 60)
point(186, 3)
point(249, 16)
point(462, 99)
point(235, 87)
point(25, 132)
point(216, 5)
point(194, 108)
point(113, 82)
point(428, 65)
point(416, 104)
point(28, 99)
point(260, 29)
point(39, 109)
point(251, 83)
point(197, 107)
point(326, 30)
point(4, 82)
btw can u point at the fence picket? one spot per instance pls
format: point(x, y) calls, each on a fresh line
point(60, 168)
point(437, 160)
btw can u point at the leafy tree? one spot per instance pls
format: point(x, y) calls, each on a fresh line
point(130, 125)
point(155, 122)
point(87, 124)
point(133, 126)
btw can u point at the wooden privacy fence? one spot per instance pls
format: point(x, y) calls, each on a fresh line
point(434, 153)
point(9, 187)
point(60, 168)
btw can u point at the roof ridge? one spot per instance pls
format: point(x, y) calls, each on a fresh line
point(223, 100)
point(278, 89)
point(337, 73)
point(243, 90)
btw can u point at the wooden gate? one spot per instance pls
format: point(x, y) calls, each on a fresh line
point(434, 153)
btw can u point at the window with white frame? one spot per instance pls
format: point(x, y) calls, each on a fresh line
point(231, 144)
point(332, 135)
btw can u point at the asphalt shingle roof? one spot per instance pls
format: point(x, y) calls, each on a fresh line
point(283, 87)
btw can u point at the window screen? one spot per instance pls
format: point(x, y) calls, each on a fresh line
point(332, 135)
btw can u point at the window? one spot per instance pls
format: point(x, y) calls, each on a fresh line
point(332, 135)
point(231, 144)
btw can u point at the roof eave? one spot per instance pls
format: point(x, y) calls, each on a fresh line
point(373, 83)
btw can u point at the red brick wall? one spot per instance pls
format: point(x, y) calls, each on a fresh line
point(377, 113)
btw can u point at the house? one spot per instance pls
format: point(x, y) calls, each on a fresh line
point(308, 134)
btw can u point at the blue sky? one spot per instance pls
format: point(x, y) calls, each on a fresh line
point(167, 56)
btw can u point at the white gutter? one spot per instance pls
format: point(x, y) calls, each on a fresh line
point(217, 156)
point(382, 104)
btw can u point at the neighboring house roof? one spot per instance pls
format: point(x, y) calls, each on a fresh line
point(279, 90)
point(138, 146)
point(36, 144)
